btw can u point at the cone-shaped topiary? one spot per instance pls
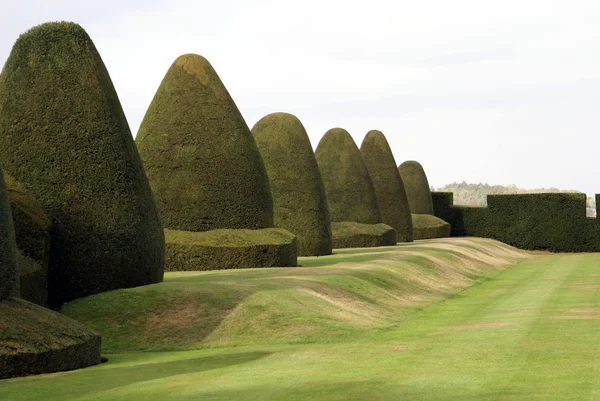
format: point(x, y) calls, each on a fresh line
point(351, 197)
point(202, 162)
point(32, 231)
point(207, 173)
point(389, 188)
point(9, 271)
point(299, 201)
point(64, 137)
point(417, 187)
point(349, 189)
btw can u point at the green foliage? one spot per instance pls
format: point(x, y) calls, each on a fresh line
point(9, 271)
point(229, 249)
point(350, 192)
point(36, 340)
point(389, 188)
point(349, 234)
point(426, 226)
point(417, 187)
point(201, 159)
point(299, 201)
point(32, 231)
point(64, 137)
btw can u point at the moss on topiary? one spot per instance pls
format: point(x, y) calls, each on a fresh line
point(200, 157)
point(389, 188)
point(64, 137)
point(426, 226)
point(417, 187)
point(229, 249)
point(32, 231)
point(348, 234)
point(299, 201)
point(9, 270)
point(350, 192)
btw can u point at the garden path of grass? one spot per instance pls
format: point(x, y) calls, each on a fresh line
point(531, 332)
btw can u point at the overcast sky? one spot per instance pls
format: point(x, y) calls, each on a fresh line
point(503, 92)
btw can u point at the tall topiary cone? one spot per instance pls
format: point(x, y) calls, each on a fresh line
point(34, 339)
point(207, 175)
point(417, 187)
point(351, 197)
point(389, 188)
point(425, 224)
point(299, 201)
point(64, 137)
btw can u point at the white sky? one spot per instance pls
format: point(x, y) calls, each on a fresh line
point(482, 91)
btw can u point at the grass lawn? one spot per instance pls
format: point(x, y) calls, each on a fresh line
point(453, 319)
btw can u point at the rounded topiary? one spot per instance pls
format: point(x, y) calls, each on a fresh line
point(9, 271)
point(350, 192)
point(389, 188)
point(417, 187)
point(32, 231)
point(64, 137)
point(299, 201)
point(426, 226)
point(201, 159)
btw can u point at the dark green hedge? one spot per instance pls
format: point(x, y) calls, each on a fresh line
point(35, 340)
point(32, 230)
point(389, 188)
point(426, 226)
point(350, 192)
point(299, 201)
point(201, 159)
point(550, 221)
point(229, 249)
point(9, 270)
point(64, 137)
point(417, 187)
point(356, 235)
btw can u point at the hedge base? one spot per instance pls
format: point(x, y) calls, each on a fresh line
point(349, 234)
point(35, 340)
point(426, 226)
point(229, 249)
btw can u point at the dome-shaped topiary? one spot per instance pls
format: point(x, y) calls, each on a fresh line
point(9, 271)
point(32, 232)
point(64, 137)
point(417, 187)
point(350, 192)
point(201, 159)
point(299, 202)
point(389, 188)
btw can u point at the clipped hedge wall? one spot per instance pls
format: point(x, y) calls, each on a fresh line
point(426, 226)
point(32, 230)
point(389, 187)
point(350, 192)
point(356, 235)
point(64, 137)
point(202, 162)
point(229, 249)
point(9, 270)
point(299, 201)
point(417, 187)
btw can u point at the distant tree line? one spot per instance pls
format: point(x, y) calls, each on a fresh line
point(475, 194)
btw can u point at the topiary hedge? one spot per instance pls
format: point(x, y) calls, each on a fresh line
point(9, 270)
point(417, 187)
point(32, 230)
point(389, 188)
point(201, 159)
point(348, 234)
point(229, 249)
point(299, 201)
point(64, 137)
point(426, 226)
point(350, 192)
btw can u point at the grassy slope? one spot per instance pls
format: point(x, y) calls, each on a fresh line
point(528, 333)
